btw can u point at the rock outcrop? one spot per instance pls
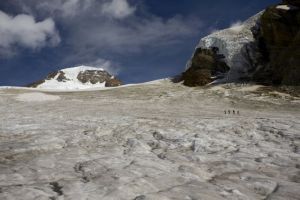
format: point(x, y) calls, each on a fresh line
point(206, 66)
point(235, 47)
point(292, 2)
point(96, 76)
point(279, 39)
point(264, 49)
point(81, 77)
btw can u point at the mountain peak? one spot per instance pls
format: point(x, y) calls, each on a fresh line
point(79, 77)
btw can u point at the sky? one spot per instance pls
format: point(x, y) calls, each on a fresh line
point(136, 40)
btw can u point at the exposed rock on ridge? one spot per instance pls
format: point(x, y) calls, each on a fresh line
point(235, 44)
point(279, 39)
point(264, 49)
point(206, 66)
point(96, 76)
point(77, 78)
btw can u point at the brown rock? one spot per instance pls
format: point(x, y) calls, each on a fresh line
point(51, 75)
point(35, 84)
point(206, 65)
point(113, 82)
point(279, 37)
point(292, 2)
point(61, 77)
point(95, 76)
point(87, 76)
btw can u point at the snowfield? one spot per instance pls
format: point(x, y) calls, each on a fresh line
point(36, 96)
point(155, 141)
point(72, 82)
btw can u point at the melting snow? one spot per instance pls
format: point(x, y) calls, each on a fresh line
point(286, 7)
point(36, 97)
point(156, 140)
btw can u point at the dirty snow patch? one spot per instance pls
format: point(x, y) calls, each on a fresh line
point(36, 96)
point(286, 7)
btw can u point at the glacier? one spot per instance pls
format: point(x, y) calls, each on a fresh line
point(236, 45)
point(157, 140)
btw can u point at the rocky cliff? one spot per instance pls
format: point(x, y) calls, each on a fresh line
point(206, 65)
point(264, 49)
point(81, 77)
point(279, 39)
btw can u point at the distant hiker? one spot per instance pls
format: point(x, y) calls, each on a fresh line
point(225, 112)
point(229, 112)
point(238, 112)
point(233, 112)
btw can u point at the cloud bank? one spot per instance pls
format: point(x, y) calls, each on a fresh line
point(117, 8)
point(109, 29)
point(22, 30)
point(112, 67)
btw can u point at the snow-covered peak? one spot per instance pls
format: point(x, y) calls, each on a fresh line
point(80, 77)
point(80, 69)
point(72, 72)
point(231, 43)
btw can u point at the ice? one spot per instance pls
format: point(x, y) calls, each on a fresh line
point(36, 97)
point(234, 44)
point(158, 140)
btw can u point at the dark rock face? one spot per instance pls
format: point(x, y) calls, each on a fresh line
point(61, 77)
point(113, 82)
point(94, 76)
point(39, 82)
point(87, 76)
point(35, 84)
point(52, 75)
point(279, 43)
point(292, 2)
point(206, 66)
point(273, 57)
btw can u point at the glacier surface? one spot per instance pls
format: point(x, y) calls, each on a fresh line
point(152, 141)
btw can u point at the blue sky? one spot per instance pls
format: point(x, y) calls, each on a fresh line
point(139, 40)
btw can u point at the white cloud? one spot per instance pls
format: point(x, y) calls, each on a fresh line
point(71, 8)
point(22, 30)
point(64, 8)
point(93, 29)
point(107, 65)
point(118, 9)
point(236, 27)
point(133, 35)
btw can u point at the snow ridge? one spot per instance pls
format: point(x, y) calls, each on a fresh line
point(231, 43)
point(71, 82)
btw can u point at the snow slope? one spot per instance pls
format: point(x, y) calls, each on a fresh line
point(154, 141)
point(232, 44)
point(100, 87)
point(72, 83)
